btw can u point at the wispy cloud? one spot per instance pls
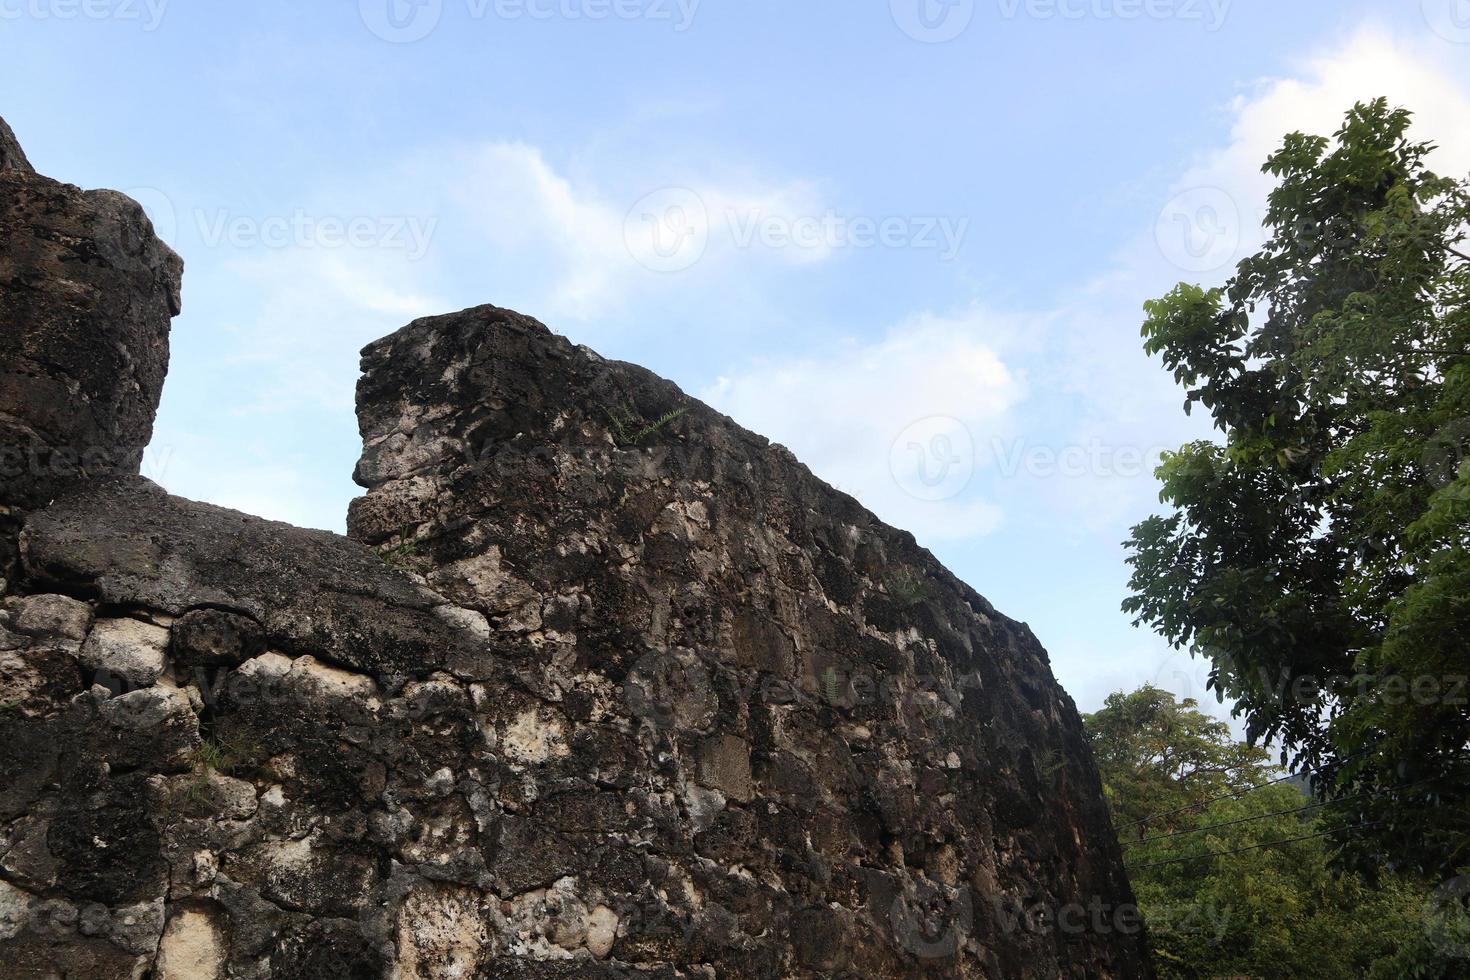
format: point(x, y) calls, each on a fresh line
point(901, 424)
point(602, 248)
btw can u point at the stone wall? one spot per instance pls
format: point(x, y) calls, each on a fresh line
point(605, 687)
point(835, 757)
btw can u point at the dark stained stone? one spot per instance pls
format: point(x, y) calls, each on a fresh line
point(215, 638)
point(86, 295)
point(129, 543)
point(105, 841)
point(329, 949)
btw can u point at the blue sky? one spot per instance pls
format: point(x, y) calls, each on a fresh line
point(909, 239)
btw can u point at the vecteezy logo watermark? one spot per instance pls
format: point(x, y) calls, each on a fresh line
point(401, 21)
point(668, 230)
point(159, 208)
point(1211, 13)
point(1199, 229)
point(146, 13)
point(1185, 674)
point(933, 21)
point(933, 459)
point(406, 21)
point(1450, 19)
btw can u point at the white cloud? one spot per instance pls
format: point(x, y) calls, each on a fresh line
point(518, 201)
point(866, 418)
point(1425, 75)
point(606, 248)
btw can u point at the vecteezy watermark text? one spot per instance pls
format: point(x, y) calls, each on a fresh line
point(938, 21)
point(832, 231)
point(1103, 918)
point(45, 462)
point(147, 13)
point(1093, 458)
point(406, 21)
point(1211, 13)
point(300, 229)
point(1191, 677)
point(671, 229)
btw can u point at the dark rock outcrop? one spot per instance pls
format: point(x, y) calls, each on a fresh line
point(12, 157)
point(605, 687)
point(86, 295)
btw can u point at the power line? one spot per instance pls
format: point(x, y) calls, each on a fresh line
point(1241, 850)
point(1241, 820)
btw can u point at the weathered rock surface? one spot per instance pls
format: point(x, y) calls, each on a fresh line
point(128, 544)
point(12, 157)
point(606, 687)
point(835, 757)
point(86, 295)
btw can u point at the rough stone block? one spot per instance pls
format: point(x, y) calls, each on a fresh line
point(724, 764)
point(130, 653)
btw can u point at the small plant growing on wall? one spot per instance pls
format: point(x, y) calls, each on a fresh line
point(397, 553)
point(629, 428)
point(906, 587)
point(216, 755)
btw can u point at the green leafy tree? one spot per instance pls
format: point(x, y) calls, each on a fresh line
point(1161, 757)
point(1242, 882)
point(1317, 553)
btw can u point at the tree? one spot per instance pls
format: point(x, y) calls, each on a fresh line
point(1161, 756)
point(1240, 882)
point(1317, 554)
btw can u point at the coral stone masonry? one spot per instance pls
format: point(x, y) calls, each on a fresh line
point(600, 685)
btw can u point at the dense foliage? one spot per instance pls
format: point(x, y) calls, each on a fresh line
point(1241, 882)
point(1317, 554)
point(1162, 757)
